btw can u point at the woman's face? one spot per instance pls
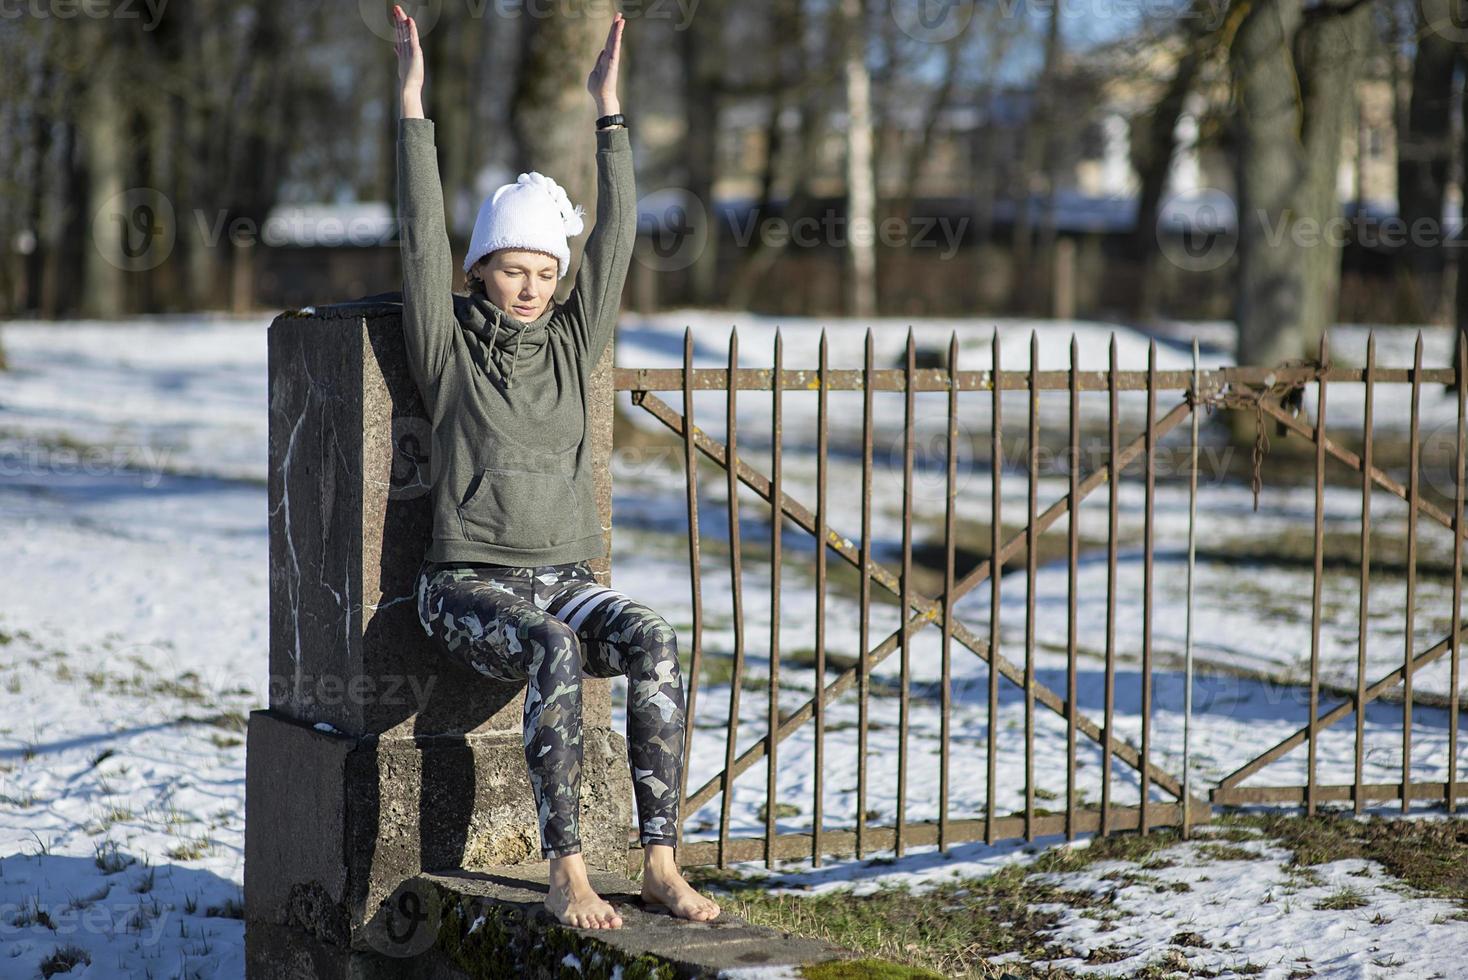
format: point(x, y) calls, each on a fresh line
point(519, 281)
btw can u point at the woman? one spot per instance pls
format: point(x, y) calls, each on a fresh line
point(506, 587)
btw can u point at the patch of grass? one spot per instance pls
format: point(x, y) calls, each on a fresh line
point(867, 969)
point(232, 908)
point(1342, 899)
point(89, 900)
point(30, 913)
point(1226, 852)
point(108, 858)
point(836, 661)
point(190, 849)
point(230, 721)
point(781, 810)
point(225, 741)
point(63, 958)
point(1429, 855)
point(139, 918)
point(185, 688)
point(951, 929)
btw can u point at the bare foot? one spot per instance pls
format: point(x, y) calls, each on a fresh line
point(573, 901)
point(663, 884)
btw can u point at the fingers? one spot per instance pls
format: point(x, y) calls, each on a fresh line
point(614, 36)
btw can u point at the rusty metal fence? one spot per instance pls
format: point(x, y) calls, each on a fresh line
point(1172, 398)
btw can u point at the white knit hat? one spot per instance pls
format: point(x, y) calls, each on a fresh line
point(532, 213)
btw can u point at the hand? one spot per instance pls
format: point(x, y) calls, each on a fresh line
point(410, 63)
point(602, 82)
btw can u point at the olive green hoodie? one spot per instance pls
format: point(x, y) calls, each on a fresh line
point(510, 467)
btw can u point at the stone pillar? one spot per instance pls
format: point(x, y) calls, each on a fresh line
point(377, 758)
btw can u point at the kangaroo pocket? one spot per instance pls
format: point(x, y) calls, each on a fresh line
point(519, 508)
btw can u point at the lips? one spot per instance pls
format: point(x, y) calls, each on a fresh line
point(524, 309)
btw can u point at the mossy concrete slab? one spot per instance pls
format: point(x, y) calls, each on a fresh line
point(491, 920)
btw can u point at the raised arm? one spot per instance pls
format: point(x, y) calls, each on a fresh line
point(428, 306)
point(595, 300)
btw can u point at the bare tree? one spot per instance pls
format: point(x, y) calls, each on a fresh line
point(861, 193)
point(1152, 155)
point(1294, 78)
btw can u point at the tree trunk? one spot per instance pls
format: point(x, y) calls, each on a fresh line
point(101, 124)
point(1153, 165)
point(1424, 153)
point(861, 196)
point(702, 57)
point(1295, 79)
point(1268, 300)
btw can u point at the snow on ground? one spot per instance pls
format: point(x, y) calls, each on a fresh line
point(133, 636)
point(1201, 904)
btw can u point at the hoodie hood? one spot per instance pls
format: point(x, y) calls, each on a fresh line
point(508, 338)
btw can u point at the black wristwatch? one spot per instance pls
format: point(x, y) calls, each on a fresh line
point(615, 119)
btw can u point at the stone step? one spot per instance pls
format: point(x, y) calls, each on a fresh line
point(493, 918)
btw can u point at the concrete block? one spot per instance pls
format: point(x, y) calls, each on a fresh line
point(350, 521)
point(335, 823)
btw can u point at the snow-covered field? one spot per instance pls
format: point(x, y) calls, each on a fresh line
point(133, 632)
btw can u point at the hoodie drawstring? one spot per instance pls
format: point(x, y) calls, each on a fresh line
point(514, 357)
point(507, 375)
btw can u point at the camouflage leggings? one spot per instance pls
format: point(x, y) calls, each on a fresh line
point(546, 625)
